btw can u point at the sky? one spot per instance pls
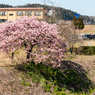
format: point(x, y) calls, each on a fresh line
point(83, 7)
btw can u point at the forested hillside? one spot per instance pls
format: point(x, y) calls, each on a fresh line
point(61, 12)
point(5, 6)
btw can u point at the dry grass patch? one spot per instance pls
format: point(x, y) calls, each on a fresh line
point(6, 59)
point(88, 29)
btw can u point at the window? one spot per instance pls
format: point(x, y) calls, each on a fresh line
point(28, 13)
point(38, 13)
point(2, 20)
point(19, 13)
point(10, 14)
point(2, 13)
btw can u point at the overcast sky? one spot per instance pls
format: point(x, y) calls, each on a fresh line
point(83, 7)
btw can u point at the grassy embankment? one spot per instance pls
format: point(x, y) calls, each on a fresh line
point(59, 81)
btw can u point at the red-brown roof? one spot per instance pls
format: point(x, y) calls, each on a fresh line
point(4, 9)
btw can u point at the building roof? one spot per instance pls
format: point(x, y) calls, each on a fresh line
point(14, 9)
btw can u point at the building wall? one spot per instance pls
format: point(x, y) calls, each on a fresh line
point(12, 14)
point(11, 17)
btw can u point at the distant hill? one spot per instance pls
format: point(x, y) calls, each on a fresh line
point(62, 13)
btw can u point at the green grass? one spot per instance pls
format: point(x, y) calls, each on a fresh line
point(84, 74)
point(23, 83)
point(12, 91)
point(23, 79)
point(60, 81)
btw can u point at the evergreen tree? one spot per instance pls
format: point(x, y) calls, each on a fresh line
point(78, 23)
point(75, 22)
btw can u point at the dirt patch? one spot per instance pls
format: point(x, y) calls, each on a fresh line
point(11, 83)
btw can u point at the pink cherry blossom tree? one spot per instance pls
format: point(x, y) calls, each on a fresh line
point(40, 40)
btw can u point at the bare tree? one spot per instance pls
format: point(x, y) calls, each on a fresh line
point(44, 1)
point(67, 31)
point(51, 15)
point(70, 35)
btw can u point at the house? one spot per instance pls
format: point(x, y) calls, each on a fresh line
point(68, 22)
point(7, 14)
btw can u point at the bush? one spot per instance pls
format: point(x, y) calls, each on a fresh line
point(49, 77)
point(87, 50)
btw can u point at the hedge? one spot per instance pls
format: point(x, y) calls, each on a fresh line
point(86, 50)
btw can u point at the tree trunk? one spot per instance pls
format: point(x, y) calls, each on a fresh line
point(12, 55)
point(76, 50)
point(79, 31)
point(28, 54)
point(72, 49)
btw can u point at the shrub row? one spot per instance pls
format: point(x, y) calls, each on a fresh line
point(86, 50)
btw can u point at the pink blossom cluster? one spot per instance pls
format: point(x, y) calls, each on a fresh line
point(40, 40)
